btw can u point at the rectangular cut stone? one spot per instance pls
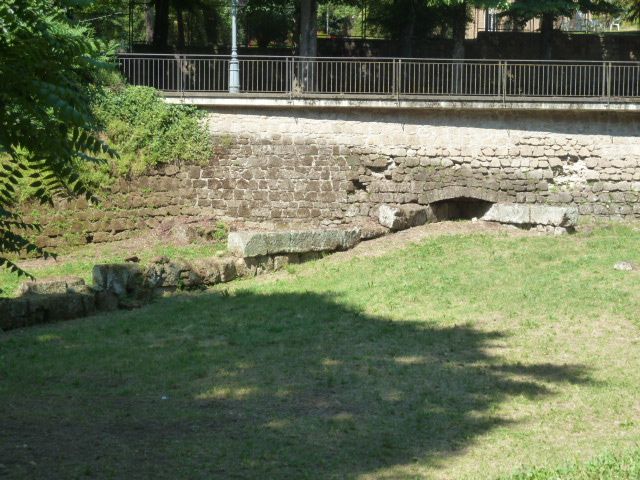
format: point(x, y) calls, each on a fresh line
point(520, 214)
point(508, 213)
point(555, 216)
point(253, 244)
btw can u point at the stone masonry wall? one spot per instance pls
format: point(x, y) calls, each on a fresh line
point(332, 165)
point(151, 201)
point(320, 166)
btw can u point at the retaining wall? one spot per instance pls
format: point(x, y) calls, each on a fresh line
point(327, 166)
point(333, 165)
point(151, 201)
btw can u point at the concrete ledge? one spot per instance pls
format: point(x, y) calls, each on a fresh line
point(208, 99)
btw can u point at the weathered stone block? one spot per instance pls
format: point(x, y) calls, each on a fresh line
point(402, 217)
point(121, 279)
point(508, 213)
point(253, 244)
point(34, 308)
point(555, 216)
point(171, 275)
point(50, 286)
point(521, 214)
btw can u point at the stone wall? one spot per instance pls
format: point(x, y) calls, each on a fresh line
point(330, 166)
point(154, 200)
point(333, 165)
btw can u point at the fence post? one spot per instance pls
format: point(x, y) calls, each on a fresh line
point(399, 80)
point(393, 78)
point(503, 83)
point(291, 73)
point(499, 86)
point(603, 87)
point(609, 71)
point(179, 75)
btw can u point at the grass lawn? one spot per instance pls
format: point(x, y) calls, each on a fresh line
point(466, 356)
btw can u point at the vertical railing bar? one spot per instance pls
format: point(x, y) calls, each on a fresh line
point(397, 77)
point(609, 66)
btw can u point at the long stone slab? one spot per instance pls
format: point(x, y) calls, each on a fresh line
point(521, 214)
point(254, 244)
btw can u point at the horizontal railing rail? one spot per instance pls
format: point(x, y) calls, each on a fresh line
point(399, 78)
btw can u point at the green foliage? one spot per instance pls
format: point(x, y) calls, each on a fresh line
point(269, 21)
point(421, 19)
point(525, 10)
point(221, 232)
point(343, 18)
point(45, 121)
point(633, 10)
point(146, 131)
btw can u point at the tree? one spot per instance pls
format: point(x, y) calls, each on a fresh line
point(46, 126)
point(404, 21)
point(161, 24)
point(456, 13)
point(308, 28)
point(550, 10)
point(269, 21)
point(633, 10)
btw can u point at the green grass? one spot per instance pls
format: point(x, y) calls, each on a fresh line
point(80, 262)
point(462, 357)
point(605, 467)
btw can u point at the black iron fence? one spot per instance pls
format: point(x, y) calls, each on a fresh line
point(387, 77)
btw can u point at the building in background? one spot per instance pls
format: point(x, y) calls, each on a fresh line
point(490, 20)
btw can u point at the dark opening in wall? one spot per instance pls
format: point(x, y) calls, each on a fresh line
point(461, 208)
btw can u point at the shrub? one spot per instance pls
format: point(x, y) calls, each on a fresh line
point(146, 131)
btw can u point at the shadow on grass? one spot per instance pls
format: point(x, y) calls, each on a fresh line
point(259, 386)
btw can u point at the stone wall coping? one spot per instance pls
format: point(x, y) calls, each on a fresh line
point(205, 99)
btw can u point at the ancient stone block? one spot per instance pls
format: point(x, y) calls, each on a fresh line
point(121, 279)
point(402, 217)
point(50, 286)
point(170, 276)
point(525, 214)
point(253, 244)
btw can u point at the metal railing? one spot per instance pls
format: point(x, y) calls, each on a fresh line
point(398, 78)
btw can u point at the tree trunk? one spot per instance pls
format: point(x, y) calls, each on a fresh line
point(408, 32)
point(180, 21)
point(546, 31)
point(459, 27)
point(308, 43)
point(308, 29)
point(148, 23)
point(211, 24)
point(161, 24)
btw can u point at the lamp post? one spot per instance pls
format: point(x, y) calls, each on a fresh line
point(234, 65)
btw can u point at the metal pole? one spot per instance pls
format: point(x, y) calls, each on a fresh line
point(234, 66)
